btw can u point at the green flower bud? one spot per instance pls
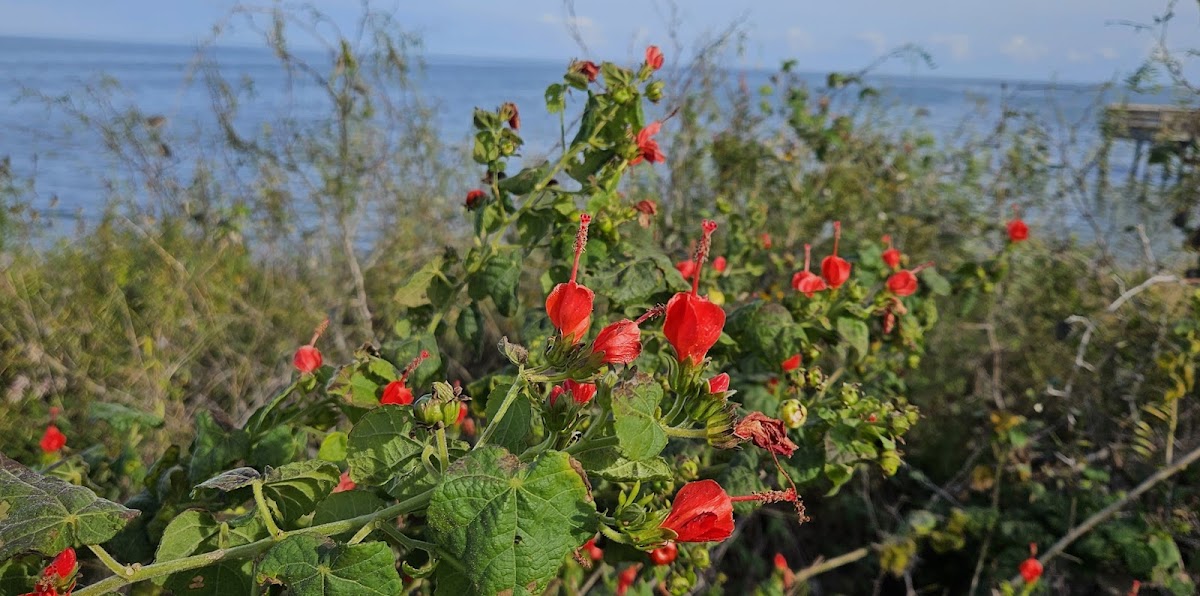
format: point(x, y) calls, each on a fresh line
point(849, 394)
point(793, 413)
point(622, 95)
point(914, 361)
point(890, 462)
point(856, 292)
point(654, 91)
point(689, 470)
point(700, 557)
point(815, 378)
point(680, 585)
point(428, 410)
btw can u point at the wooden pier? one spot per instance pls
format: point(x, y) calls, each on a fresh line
point(1162, 127)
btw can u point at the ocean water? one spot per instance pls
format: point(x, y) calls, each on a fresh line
point(72, 170)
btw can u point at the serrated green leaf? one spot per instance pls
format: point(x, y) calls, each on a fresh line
point(275, 447)
point(311, 566)
point(634, 406)
point(215, 448)
point(469, 326)
point(228, 577)
point(384, 449)
point(345, 505)
point(511, 525)
point(512, 430)
point(855, 333)
point(333, 448)
point(415, 291)
point(498, 278)
point(46, 515)
point(609, 464)
point(295, 489)
point(523, 182)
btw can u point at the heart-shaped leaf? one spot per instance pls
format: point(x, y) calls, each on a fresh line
point(311, 566)
point(634, 406)
point(383, 450)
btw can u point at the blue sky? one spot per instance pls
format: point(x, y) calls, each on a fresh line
point(1072, 40)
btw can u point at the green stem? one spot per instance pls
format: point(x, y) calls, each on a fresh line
point(247, 551)
point(509, 398)
point(429, 547)
point(686, 433)
point(593, 444)
point(109, 561)
point(362, 533)
point(443, 452)
point(264, 513)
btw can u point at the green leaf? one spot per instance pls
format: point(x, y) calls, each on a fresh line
point(555, 101)
point(937, 284)
point(276, 447)
point(512, 430)
point(511, 525)
point(123, 418)
point(609, 464)
point(310, 566)
point(46, 515)
point(346, 505)
point(634, 283)
point(523, 182)
point(469, 326)
point(415, 291)
point(228, 577)
point(855, 333)
point(295, 489)
point(634, 406)
point(383, 449)
point(498, 278)
point(231, 480)
point(215, 448)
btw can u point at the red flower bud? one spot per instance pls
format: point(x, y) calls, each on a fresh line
point(555, 393)
point(780, 562)
point(468, 427)
point(765, 240)
point(307, 359)
point(1017, 230)
point(807, 282)
point(902, 283)
point(626, 579)
point(588, 69)
point(719, 383)
point(569, 304)
point(687, 269)
point(462, 413)
point(344, 483)
point(702, 512)
point(693, 324)
point(781, 565)
point(582, 393)
point(654, 57)
point(665, 554)
point(765, 432)
point(62, 566)
point(648, 147)
point(891, 256)
point(791, 363)
point(475, 199)
point(719, 264)
point(514, 118)
point(621, 341)
point(1031, 568)
point(594, 552)
point(835, 269)
point(52, 439)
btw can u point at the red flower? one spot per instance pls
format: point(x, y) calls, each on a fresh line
point(806, 282)
point(665, 554)
point(902, 283)
point(765, 432)
point(468, 427)
point(569, 305)
point(1031, 568)
point(594, 552)
point(791, 363)
point(765, 240)
point(462, 413)
point(891, 256)
point(626, 578)
point(782, 565)
point(308, 357)
point(702, 512)
point(396, 392)
point(835, 269)
point(654, 57)
point(693, 324)
point(475, 199)
point(53, 439)
point(344, 483)
point(588, 69)
point(719, 383)
point(62, 566)
point(687, 269)
point(514, 118)
point(1017, 230)
point(646, 207)
point(780, 562)
point(582, 393)
point(647, 146)
point(555, 393)
point(621, 342)
point(719, 264)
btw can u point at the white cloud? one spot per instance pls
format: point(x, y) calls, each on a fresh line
point(587, 27)
point(875, 39)
point(799, 40)
point(959, 45)
point(1107, 53)
point(1021, 49)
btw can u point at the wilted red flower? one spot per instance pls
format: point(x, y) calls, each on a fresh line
point(1031, 568)
point(396, 392)
point(891, 256)
point(647, 207)
point(765, 432)
point(582, 393)
point(569, 304)
point(665, 554)
point(308, 357)
point(835, 269)
point(648, 147)
point(719, 383)
point(344, 483)
point(702, 512)
point(514, 115)
point(719, 264)
point(588, 69)
point(475, 199)
point(53, 439)
point(807, 282)
point(594, 552)
point(621, 342)
point(693, 324)
point(902, 283)
point(626, 578)
point(791, 363)
point(687, 269)
point(654, 57)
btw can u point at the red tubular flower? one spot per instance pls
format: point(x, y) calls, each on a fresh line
point(582, 393)
point(765, 432)
point(396, 392)
point(588, 69)
point(475, 199)
point(719, 264)
point(569, 304)
point(514, 118)
point(594, 552)
point(62, 566)
point(891, 256)
point(555, 393)
point(648, 147)
point(791, 363)
point(835, 269)
point(621, 342)
point(687, 269)
point(53, 439)
point(654, 57)
point(1031, 568)
point(626, 578)
point(902, 283)
point(344, 483)
point(665, 554)
point(308, 357)
point(807, 282)
point(702, 512)
point(719, 383)
point(693, 324)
